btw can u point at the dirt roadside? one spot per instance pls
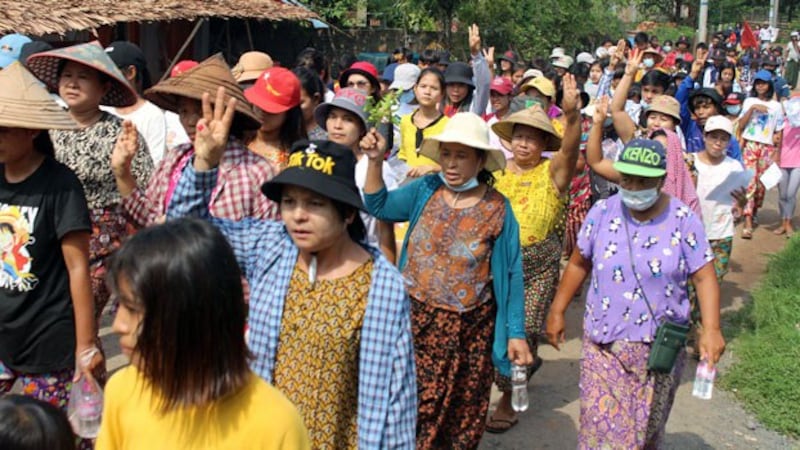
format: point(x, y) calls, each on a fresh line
point(719, 423)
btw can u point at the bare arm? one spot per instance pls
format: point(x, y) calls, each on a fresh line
point(563, 166)
point(373, 145)
point(75, 248)
point(575, 273)
point(594, 146)
point(622, 121)
point(388, 242)
point(712, 344)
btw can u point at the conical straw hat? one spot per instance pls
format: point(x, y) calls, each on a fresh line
point(205, 77)
point(25, 102)
point(91, 54)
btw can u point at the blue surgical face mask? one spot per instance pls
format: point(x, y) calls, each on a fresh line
point(472, 183)
point(733, 110)
point(649, 62)
point(666, 48)
point(639, 200)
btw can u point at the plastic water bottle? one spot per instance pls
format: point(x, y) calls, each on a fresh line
point(85, 409)
point(704, 381)
point(519, 388)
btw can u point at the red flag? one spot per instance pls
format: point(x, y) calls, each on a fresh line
point(748, 38)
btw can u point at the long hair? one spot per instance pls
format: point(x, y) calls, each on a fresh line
point(184, 276)
point(293, 128)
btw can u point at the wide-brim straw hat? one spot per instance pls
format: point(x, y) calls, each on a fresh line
point(534, 117)
point(655, 54)
point(204, 77)
point(45, 66)
point(25, 103)
point(466, 129)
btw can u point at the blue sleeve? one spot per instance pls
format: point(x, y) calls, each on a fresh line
point(395, 205)
point(734, 150)
point(483, 78)
point(512, 252)
point(191, 198)
point(682, 95)
point(604, 85)
point(401, 421)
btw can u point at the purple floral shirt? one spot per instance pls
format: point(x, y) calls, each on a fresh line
point(666, 250)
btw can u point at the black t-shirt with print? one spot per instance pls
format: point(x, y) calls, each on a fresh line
point(37, 323)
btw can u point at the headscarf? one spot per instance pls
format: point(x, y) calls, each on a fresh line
point(678, 182)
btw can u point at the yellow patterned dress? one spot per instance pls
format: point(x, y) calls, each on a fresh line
point(316, 365)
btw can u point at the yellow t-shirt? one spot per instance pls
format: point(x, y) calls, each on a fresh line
point(257, 417)
point(536, 202)
point(408, 140)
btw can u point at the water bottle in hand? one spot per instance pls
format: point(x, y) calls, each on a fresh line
point(704, 380)
point(519, 388)
point(85, 407)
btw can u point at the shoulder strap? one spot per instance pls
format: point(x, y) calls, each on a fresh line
point(625, 215)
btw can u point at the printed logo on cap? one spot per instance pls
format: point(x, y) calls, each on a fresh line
point(353, 95)
point(643, 156)
point(309, 158)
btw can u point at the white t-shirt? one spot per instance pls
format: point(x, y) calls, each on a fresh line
point(716, 206)
point(151, 124)
point(494, 139)
point(762, 126)
point(389, 179)
point(176, 134)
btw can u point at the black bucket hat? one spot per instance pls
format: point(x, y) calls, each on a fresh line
point(323, 167)
point(706, 92)
point(459, 72)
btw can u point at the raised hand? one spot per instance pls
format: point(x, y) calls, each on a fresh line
point(634, 61)
point(699, 62)
point(488, 55)
point(600, 111)
point(212, 130)
point(618, 55)
point(124, 149)
point(373, 145)
point(474, 39)
point(571, 99)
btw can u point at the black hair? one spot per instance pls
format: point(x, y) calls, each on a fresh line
point(309, 81)
point(313, 59)
point(356, 230)
point(580, 70)
point(30, 424)
point(184, 278)
point(770, 92)
point(43, 144)
point(702, 46)
point(698, 100)
point(667, 42)
point(408, 55)
point(429, 56)
point(293, 128)
point(641, 38)
point(437, 73)
point(484, 176)
point(728, 65)
point(345, 61)
point(656, 78)
point(635, 91)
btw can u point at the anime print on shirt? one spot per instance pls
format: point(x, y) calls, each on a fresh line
point(16, 230)
point(666, 251)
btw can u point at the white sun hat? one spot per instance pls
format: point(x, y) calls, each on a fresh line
point(467, 129)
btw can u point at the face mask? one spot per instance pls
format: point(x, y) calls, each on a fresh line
point(639, 200)
point(666, 48)
point(733, 110)
point(649, 62)
point(643, 103)
point(472, 183)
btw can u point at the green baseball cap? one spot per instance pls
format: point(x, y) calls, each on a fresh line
point(643, 158)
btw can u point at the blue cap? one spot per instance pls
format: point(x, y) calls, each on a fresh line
point(10, 46)
point(388, 72)
point(763, 75)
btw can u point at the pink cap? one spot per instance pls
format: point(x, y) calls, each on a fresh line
point(502, 85)
point(182, 66)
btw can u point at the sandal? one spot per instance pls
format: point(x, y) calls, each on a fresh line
point(499, 426)
point(747, 233)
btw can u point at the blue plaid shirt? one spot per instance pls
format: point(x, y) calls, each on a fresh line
point(387, 385)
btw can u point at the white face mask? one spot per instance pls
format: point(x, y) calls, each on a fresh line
point(649, 62)
point(666, 48)
point(639, 200)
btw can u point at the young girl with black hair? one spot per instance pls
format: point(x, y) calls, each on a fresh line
point(425, 121)
point(312, 93)
point(467, 91)
point(181, 321)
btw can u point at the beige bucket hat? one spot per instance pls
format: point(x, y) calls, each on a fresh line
point(251, 65)
point(533, 117)
point(204, 77)
point(25, 102)
point(665, 104)
point(466, 129)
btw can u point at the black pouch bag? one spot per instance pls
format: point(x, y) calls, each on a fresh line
point(669, 342)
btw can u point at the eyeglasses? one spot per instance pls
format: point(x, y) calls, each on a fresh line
point(719, 139)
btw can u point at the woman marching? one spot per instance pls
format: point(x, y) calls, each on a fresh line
point(329, 318)
point(641, 247)
point(537, 188)
point(180, 322)
point(462, 234)
point(46, 307)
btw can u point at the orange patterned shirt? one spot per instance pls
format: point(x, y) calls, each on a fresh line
point(449, 252)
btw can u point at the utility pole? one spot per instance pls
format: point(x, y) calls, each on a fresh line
point(773, 13)
point(702, 17)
